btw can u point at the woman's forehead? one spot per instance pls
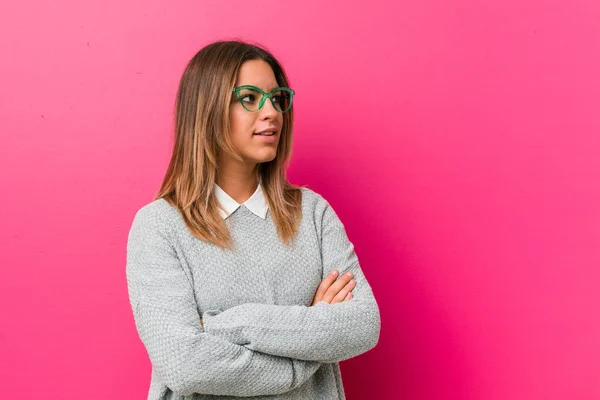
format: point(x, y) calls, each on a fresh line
point(257, 73)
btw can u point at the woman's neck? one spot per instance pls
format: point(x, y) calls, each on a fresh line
point(237, 183)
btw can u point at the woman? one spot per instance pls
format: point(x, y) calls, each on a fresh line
point(242, 284)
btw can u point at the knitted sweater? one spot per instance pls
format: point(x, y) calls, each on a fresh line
point(261, 337)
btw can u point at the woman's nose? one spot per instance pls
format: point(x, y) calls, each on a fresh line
point(268, 110)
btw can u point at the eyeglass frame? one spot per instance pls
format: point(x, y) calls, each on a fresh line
point(264, 96)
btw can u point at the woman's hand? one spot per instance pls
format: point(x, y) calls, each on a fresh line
point(332, 291)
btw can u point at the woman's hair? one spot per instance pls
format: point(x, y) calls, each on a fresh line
point(202, 128)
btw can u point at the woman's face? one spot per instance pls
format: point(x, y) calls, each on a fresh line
point(245, 124)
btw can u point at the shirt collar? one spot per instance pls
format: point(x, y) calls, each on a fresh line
point(257, 203)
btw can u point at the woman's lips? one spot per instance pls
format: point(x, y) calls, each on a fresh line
point(266, 139)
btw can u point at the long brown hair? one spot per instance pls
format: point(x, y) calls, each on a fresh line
point(202, 127)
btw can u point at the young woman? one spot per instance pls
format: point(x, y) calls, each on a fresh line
point(242, 284)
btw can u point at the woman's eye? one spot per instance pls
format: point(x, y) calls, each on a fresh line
point(248, 98)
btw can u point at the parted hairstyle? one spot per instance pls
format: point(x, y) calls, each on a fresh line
point(202, 128)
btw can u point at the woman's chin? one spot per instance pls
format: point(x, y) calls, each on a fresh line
point(265, 156)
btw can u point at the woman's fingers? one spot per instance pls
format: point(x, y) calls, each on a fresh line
point(344, 293)
point(325, 284)
point(335, 291)
point(337, 286)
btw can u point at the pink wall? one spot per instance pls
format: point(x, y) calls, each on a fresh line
point(458, 141)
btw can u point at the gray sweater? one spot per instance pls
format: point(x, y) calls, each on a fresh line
point(261, 337)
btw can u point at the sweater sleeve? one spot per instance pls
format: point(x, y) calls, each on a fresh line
point(185, 357)
point(324, 332)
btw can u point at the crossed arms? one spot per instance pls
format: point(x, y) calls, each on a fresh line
point(247, 350)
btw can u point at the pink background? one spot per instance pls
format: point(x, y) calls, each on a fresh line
point(458, 141)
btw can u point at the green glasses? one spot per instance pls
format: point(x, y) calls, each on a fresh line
point(253, 98)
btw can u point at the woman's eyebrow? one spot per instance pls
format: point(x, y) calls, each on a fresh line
point(270, 90)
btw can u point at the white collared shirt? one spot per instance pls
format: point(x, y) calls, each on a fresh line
point(256, 203)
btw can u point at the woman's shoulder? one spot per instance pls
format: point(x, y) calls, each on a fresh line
point(315, 205)
point(158, 212)
point(311, 199)
point(158, 206)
